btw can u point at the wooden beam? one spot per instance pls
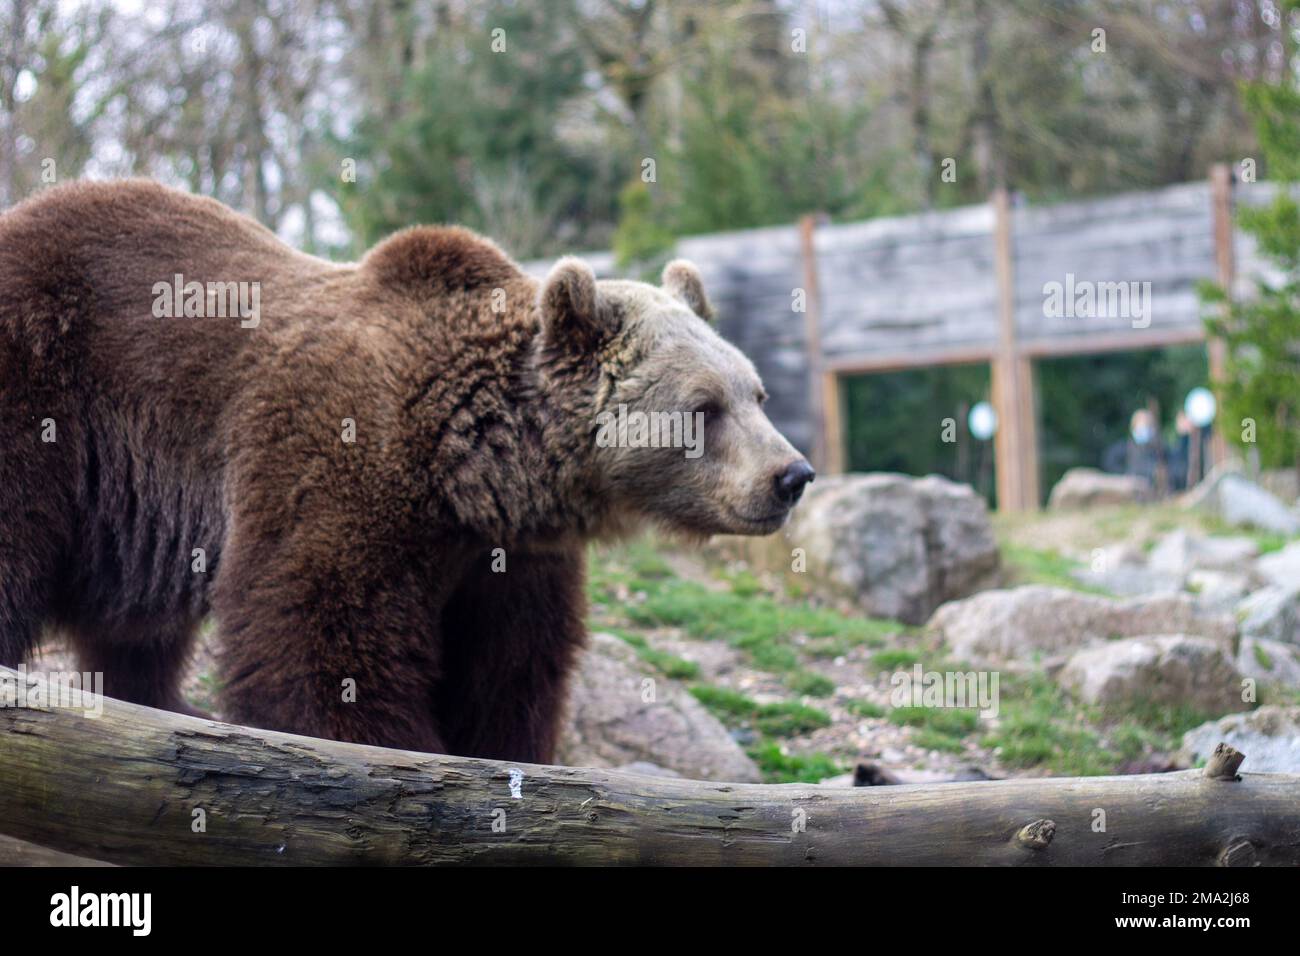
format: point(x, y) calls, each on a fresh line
point(1015, 448)
point(143, 786)
point(1033, 348)
point(822, 438)
point(1111, 342)
point(900, 361)
point(1027, 410)
point(833, 403)
point(1225, 263)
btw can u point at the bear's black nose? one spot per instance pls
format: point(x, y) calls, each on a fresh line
point(789, 483)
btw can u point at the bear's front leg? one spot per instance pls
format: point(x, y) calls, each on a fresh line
point(510, 636)
point(314, 643)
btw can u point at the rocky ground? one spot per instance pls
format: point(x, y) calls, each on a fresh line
point(1115, 629)
point(1125, 637)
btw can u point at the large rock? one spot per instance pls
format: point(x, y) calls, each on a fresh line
point(1180, 553)
point(1089, 488)
point(1122, 569)
point(1281, 568)
point(1021, 623)
point(896, 546)
point(1159, 669)
point(1242, 503)
point(1271, 614)
point(1270, 662)
point(1282, 482)
point(1219, 591)
point(1269, 737)
point(610, 724)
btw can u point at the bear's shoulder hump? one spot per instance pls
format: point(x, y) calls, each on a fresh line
point(439, 258)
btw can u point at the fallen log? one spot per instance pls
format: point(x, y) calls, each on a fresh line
point(137, 785)
point(18, 853)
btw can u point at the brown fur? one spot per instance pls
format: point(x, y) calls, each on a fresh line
point(472, 389)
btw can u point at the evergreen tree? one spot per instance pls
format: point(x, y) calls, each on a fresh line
point(479, 138)
point(1262, 333)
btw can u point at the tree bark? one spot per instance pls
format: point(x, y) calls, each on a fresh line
point(17, 853)
point(137, 785)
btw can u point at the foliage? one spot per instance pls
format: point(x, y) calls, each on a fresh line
point(476, 140)
point(1261, 333)
point(639, 240)
point(527, 120)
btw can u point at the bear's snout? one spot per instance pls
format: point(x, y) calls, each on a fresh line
point(791, 480)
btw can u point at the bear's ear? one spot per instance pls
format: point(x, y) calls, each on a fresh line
point(682, 281)
point(568, 304)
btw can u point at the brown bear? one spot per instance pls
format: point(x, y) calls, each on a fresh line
point(378, 477)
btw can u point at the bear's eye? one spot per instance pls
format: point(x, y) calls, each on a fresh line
point(709, 408)
point(761, 397)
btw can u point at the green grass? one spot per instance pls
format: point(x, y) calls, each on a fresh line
point(955, 721)
point(744, 583)
point(809, 684)
point(828, 648)
point(1025, 565)
point(1266, 541)
point(864, 708)
point(937, 740)
point(670, 665)
point(746, 618)
point(1168, 720)
point(895, 659)
point(779, 767)
point(1130, 740)
point(1039, 727)
point(784, 719)
point(633, 589)
point(937, 728)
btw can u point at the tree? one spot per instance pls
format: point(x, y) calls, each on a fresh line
point(478, 136)
point(1261, 334)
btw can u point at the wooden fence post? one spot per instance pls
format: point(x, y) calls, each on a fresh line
point(1225, 273)
point(1015, 445)
point(823, 386)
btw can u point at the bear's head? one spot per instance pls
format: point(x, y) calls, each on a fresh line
point(675, 413)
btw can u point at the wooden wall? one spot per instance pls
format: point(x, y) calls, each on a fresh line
point(924, 289)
